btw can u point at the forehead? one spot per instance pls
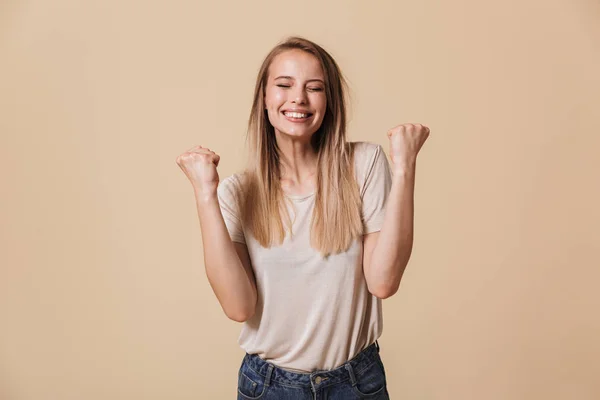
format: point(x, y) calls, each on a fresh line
point(296, 63)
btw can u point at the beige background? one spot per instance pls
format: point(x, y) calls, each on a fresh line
point(103, 293)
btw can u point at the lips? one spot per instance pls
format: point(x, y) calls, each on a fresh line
point(295, 119)
point(299, 112)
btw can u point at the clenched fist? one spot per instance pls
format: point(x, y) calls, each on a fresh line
point(405, 142)
point(200, 166)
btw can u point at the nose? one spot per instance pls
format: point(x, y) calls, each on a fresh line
point(299, 96)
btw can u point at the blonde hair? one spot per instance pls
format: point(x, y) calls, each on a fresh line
point(336, 219)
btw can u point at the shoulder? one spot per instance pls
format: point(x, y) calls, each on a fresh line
point(232, 180)
point(364, 149)
point(370, 165)
point(231, 185)
point(366, 154)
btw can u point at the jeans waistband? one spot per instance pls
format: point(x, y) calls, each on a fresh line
point(342, 373)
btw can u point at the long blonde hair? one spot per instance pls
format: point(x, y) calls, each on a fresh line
point(336, 219)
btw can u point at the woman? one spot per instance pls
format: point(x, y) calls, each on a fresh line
point(304, 243)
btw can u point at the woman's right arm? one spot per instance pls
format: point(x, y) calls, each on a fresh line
point(227, 263)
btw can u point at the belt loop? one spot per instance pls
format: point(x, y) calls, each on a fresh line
point(377, 345)
point(351, 372)
point(269, 372)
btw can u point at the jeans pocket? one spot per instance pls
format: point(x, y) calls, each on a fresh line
point(370, 382)
point(251, 385)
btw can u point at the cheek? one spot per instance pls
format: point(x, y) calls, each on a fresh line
point(319, 100)
point(321, 104)
point(274, 98)
point(278, 97)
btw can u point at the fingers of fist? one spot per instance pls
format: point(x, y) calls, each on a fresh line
point(198, 154)
point(406, 141)
point(408, 137)
point(410, 129)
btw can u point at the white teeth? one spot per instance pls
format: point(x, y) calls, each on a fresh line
point(295, 115)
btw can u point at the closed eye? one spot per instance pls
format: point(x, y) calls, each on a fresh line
point(313, 89)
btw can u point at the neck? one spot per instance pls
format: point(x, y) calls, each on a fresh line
point(298, 161)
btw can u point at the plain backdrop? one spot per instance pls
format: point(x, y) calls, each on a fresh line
point(103, 293)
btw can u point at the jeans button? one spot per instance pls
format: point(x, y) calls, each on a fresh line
point(318, 380)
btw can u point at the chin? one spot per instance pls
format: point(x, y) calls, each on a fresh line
point(301, 133)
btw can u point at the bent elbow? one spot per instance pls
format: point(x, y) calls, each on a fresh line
point(240, 315)
point(236, 318)
point(384, 291)
point(382, 294)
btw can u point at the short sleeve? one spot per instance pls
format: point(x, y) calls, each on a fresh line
point(375, 189)
point(226, 194)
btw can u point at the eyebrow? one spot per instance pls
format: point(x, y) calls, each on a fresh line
point(290, 77)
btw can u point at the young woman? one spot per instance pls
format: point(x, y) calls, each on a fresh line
point(304, 243)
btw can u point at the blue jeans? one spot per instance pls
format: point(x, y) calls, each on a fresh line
point(363, 377)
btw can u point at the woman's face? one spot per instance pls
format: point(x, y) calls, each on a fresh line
point(295, 84)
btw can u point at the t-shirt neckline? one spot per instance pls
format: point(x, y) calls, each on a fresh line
point(299, 196)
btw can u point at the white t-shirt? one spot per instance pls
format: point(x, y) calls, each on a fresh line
point(313, 314)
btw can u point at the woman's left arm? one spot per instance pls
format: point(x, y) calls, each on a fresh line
point(386, 252)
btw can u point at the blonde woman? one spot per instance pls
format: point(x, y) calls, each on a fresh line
point(303, 245)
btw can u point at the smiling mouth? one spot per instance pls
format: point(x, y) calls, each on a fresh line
point(297, 117)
